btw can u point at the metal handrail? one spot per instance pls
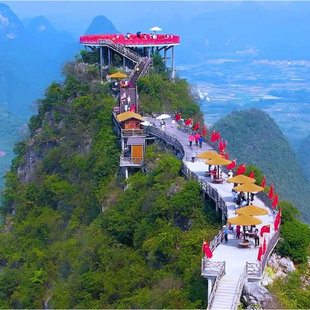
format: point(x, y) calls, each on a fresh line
point(216, 240)
point(239, 289)
point(121, 49)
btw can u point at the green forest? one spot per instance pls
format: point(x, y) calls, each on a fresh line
point(254, 138)
point(78, 240)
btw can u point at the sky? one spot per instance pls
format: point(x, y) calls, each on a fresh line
point(75, 16)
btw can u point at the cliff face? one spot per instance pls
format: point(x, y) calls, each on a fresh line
point(254, 138)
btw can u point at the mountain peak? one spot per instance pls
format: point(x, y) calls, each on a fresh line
point(41, 24)
point(101, 25)
point(10, 25)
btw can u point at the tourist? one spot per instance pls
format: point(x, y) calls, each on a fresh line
point(230, 174)
point(164, 123)
point(252, 197)
point(225, 231)
point(193, 156)
point(196, 140)
point(243, 202)
point(235, 195)
point(128, 100)
point(190, 142)
point(256, 237)
point(238, 231)
point(213, 174)
point(126, 107)
point(200, 142)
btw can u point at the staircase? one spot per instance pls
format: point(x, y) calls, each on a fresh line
point(225, 295)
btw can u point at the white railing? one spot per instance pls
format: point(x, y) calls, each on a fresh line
point(239, 289)
point(221, 270)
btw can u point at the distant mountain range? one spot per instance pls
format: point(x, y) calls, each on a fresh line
point(31, 56)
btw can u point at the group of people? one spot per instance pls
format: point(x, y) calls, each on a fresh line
point(125, 84)
point(126, 101)
point(239, 234)
point(240, 198)
point(198, 141)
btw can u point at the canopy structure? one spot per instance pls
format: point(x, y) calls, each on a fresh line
point(163, 116)
point(118, 75)
point(241, 179)
point(252, 210)
point(248, 188)
point(156, 29)
point(218, 161)
point(146, 123)
point(244, 220)
point(208, 155)
point(128, 115)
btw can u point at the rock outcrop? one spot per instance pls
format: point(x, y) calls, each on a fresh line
point(255, 296)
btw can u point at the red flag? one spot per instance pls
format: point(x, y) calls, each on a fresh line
point(225, 145)
point(275, 201)
point(206, 249)
point(277, 220)
point(260, 253)
point(264, 182)
point(133, 108)
point(252, 174)
point(177, 116)
point(188, 122)
point(227, 156)
point(271, 191)
point(264, 246)
point(241, 169)
point(232, 165)
point(264, 229)
point(196, 127)
point(221, 145)
point(204, 131)
point(215, 136)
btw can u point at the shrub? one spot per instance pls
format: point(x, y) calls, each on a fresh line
point(296, 239)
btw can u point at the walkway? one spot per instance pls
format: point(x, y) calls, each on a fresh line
point(234, 257)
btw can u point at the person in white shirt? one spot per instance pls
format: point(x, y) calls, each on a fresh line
point(193, 156)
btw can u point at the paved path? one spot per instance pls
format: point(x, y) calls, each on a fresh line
point(234, 256)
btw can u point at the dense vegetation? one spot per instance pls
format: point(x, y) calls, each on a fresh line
point(78, 240)
point(254, 138)
point(304, 156)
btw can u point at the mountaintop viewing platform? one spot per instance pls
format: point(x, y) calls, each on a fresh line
point(132, 40)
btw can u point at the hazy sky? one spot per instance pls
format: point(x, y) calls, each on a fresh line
point(75, 16)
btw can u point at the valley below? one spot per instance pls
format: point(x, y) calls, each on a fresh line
point(280, 88)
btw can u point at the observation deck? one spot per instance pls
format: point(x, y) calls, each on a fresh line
point(132, 40)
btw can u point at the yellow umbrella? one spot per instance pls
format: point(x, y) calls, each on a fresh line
point(252, 210)
point(117, 75)
point(208, 155)
point(248, 188)
point(218, 161)
point(244, 220)
point(240, 179)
